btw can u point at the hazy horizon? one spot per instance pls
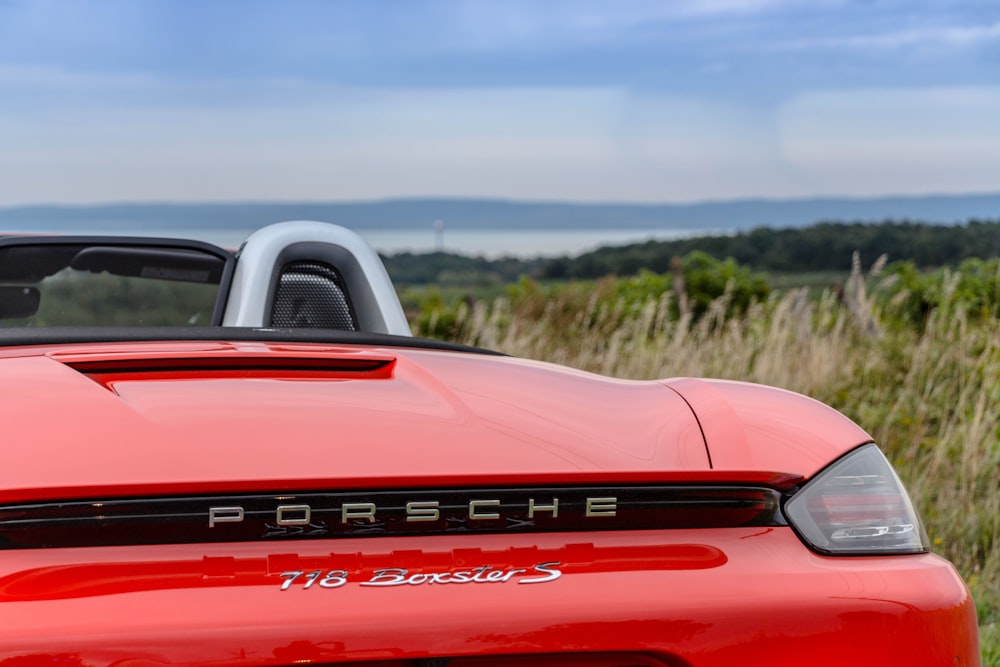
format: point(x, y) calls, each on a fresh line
point(490, 228)
point(994, 192)
point(473, 217)
point(390, 199)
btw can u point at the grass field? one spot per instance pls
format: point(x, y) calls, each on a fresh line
point(929, 394)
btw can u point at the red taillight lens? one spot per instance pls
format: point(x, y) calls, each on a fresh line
point(857, 506)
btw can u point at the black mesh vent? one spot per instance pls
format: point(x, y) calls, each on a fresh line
point(311, 295)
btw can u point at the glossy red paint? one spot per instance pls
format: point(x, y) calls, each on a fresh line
point(696, 597)
point(425, 418)
point(753, 427)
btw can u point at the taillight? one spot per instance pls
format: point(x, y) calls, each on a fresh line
point(857, 506)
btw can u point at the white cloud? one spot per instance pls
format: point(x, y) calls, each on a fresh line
point(472, 25)
point(743, 6)
point(938, 35)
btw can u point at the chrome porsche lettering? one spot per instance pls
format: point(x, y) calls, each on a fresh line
point(420, 511)
point(397, 576)
point(532, 508)
point(602, 507)
point(427, 510)
point(474, 512)
point(224, 515)
point(293, 515)
point(358, 511)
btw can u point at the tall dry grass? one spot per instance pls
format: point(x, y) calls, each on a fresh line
point(930, 397)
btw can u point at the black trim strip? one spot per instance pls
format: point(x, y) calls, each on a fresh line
point(19, 337)
point(311, 514)
point(237, 363)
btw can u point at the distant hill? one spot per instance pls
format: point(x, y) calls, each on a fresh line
point(488, 214)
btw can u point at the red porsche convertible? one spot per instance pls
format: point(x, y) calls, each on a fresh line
point(219, 458)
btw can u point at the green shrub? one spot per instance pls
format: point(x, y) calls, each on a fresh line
point(707, 279)
point(601, 306)
point(910, 295)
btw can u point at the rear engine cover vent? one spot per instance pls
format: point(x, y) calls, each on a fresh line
point(311, 295)
point(226, 362)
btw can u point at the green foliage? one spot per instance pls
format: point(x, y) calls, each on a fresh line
point(446, 269)
point(911, 295)
point(826, 246)
point(707, 279)
point(635, 292)
point(430, 314)
point(989, 638)
point(700, 278)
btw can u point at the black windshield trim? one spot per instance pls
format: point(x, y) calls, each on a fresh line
point(23, 336)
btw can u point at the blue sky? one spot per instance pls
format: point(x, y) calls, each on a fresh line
point(625, 100)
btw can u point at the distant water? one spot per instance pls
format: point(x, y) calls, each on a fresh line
point(487, 243)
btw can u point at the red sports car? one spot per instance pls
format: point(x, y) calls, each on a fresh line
point(217, 458)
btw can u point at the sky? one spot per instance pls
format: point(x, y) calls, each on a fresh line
point(557, 100)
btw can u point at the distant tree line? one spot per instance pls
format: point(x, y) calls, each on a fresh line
point(827, 246)
point(445, 268)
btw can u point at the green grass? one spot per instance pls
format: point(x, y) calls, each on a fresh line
point(989, 637)
point(818, 280)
